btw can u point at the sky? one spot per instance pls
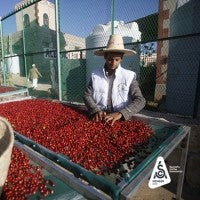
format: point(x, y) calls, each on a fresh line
point(81, 16)
point(7, 6)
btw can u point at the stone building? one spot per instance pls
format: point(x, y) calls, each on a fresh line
point(36, 37)
point(42, 13)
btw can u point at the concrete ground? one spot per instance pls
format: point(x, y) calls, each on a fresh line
point(167, 192)
point(161, 193)
point(191, 186)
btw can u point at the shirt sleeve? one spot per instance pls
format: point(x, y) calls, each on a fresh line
point(137, 101)
point(38, 72)
point(89, 101)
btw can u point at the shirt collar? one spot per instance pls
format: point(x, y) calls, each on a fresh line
point(117, 71)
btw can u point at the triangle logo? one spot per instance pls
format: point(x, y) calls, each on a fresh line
point(160, 175)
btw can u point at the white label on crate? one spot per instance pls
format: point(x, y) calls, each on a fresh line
point(160, 175)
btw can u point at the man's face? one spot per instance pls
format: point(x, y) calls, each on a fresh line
point(113, 60)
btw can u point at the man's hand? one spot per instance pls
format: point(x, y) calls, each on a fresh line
point(99, 116)
point(113, 117)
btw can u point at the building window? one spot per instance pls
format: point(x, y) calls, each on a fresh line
point(26, 20)
point(46, 20)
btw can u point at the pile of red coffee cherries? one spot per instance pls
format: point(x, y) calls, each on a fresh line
point(25, 179)
point(94, 145)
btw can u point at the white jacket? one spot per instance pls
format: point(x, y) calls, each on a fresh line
point(120, 90)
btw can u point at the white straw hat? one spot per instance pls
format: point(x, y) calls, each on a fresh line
point(33, 65)
point(115, 44)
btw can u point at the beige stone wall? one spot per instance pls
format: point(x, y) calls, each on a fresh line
point(74, 42)
point(48, 8)
point(36, 12)
point(19, 17)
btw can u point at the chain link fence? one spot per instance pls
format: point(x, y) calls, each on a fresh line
point(60, 37)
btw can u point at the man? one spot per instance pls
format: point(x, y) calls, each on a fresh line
point(34, 75)
point(113, 92)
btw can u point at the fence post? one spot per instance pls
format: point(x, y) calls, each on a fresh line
point(112, 16)
point(58, 49)
point(24, 48)
point(2, 53)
